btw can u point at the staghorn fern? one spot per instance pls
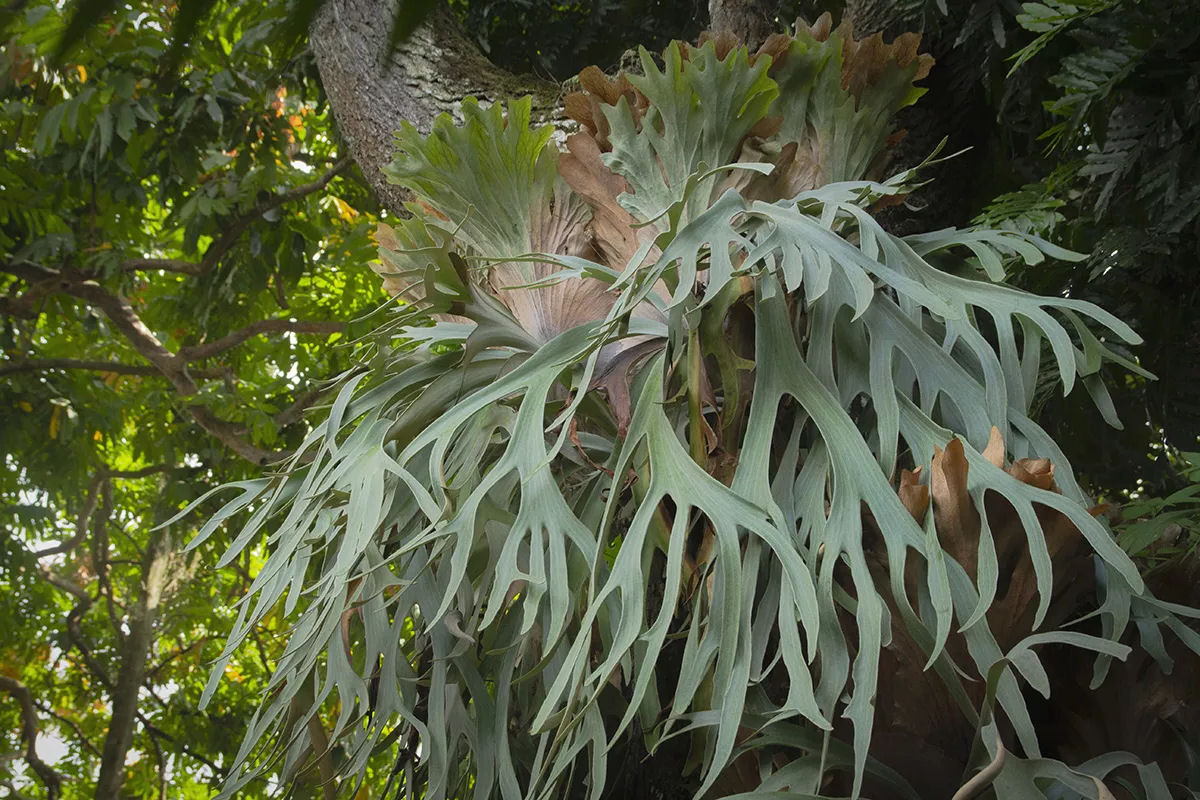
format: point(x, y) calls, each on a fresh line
point(670, 445)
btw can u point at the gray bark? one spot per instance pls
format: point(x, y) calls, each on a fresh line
point(372, 93)
point(751, 21)
point(134, 652)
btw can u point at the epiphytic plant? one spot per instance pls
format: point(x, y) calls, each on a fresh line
point(670, 448)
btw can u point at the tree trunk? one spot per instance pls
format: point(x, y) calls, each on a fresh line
point(751, 21)
point(134, 654)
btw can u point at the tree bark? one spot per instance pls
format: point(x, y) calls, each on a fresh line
point(134, 654)
point(372, 93)
point(751, 21)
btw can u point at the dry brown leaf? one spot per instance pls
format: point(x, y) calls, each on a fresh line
point(913, 494)
point(994, 452)
point(953, 512)
point(614, 237)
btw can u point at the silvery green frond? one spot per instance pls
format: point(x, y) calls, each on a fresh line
point(696, 457)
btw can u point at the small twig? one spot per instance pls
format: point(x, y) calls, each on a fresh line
point(158, 732)
point(174, 654)
point(209, 349)
point(161, 763)
point(91, 500)
point(13, 792)
point(73, 725)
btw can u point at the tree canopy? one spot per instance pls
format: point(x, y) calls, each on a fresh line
point(188, 258)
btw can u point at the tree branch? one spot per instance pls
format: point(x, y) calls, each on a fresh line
point(29, 731)
point(13, 792)
point(38, 364)
point(231, 435)
point(125, 319)
point(91, 501)
point(134, 474)
point(158, 732)
point(209, 349)
point(116, 367)
point(174, 654)
point(74, 630)
point(134, 652)
point(302, 403)
point(70, 587)
point(172, 366)
point(45, 708)
point(165, 264)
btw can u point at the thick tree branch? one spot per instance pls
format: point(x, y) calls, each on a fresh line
point(235, 228)
point(40, 364)
point(172, 366)
point(143, 472)
point(165, 264)
point(48, 364)
point(25, 306)
point(29, 732)
point(125, 319)
point(231, 436)
point(231, 340)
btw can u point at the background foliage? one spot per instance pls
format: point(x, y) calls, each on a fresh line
point(215, 200)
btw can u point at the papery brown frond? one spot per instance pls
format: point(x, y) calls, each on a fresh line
point(820, 29)
point(867, 61)
point(723, 43)
point(775, 47)
point(615, 238)
point(953, 511)
point(913, 494)
point(599, 89)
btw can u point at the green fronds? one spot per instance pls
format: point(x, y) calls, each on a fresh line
point(709, 460)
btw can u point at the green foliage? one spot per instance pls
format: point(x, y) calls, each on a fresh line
point(141, 208)
point(1122, 133)
point(132, 152)
point(662, 513)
